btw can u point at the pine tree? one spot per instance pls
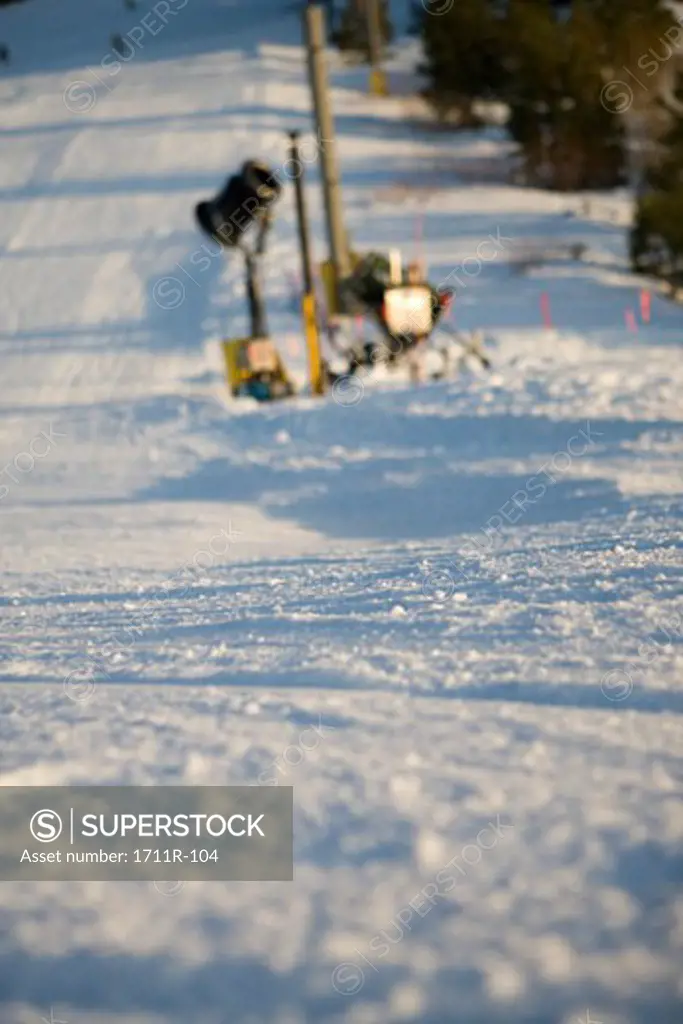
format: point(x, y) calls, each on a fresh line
point(657, 235)
point(569, 140)
point(631, 28)
point(551, 62)
point(533, 61)
point(462, 50)
point(351, 34)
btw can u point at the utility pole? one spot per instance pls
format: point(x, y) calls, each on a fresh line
point(315, 41)
point(308, 304)
point(378, 82)
point(302, 217)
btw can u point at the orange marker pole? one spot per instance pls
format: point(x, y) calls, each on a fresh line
point(630, 319)
point(545, 310)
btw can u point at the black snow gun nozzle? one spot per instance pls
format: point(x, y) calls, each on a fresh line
point(243, 203)
point(244, 200)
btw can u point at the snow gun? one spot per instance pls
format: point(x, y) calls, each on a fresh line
point(253, 365)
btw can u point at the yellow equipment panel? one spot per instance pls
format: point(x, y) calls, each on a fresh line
point(245, 357)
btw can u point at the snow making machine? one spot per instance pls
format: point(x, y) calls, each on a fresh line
point(404, 309)
point(253, 365)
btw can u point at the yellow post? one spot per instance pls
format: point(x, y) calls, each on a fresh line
point(231, 355)
point(378, 83)
point(313, 344)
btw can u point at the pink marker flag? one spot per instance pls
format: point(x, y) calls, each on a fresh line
point(645, 305)
point(545, 309)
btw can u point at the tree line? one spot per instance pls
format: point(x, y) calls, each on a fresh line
point(582, 85)
point(581, 82)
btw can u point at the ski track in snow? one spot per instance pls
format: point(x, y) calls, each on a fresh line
point(191, 584)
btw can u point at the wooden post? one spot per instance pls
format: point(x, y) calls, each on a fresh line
point(378, 82)
point(315, 40)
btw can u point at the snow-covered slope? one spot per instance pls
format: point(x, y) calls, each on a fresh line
point(470, 591)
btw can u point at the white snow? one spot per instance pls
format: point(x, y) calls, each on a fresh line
point(496, 684)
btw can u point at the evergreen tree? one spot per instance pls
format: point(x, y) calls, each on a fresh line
point(533, 60)
point(568, 139)
point(351, 33)
point(551, 62)
point(657, 235)
point(631, 28)
point(463, 54)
